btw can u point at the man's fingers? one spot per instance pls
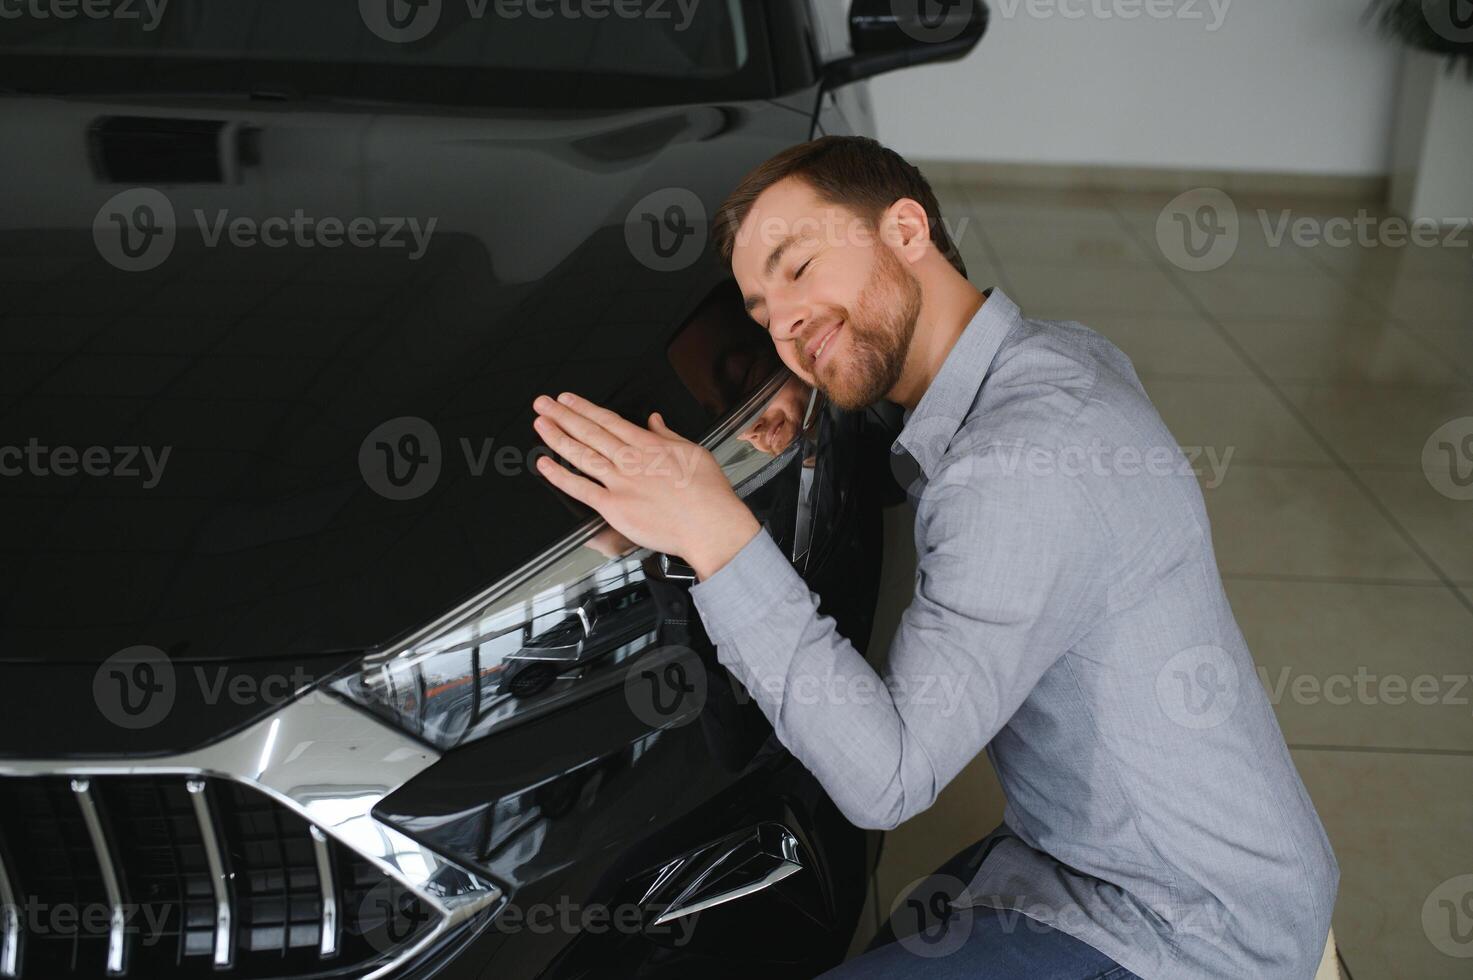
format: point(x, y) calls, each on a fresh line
point(575, 451)
point(621, 427)
point(580, 427)
point(580, 488)
point(659, 428)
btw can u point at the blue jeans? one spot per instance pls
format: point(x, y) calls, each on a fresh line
point(984, 944)
point(941, 943)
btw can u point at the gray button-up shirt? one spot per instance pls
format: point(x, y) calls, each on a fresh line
point(1069, 619)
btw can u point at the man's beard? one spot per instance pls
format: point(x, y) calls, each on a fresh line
point(880, 329)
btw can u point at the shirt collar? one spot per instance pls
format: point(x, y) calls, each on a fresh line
point(929, 428)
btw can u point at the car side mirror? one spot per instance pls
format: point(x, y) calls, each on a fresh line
point(891, 34)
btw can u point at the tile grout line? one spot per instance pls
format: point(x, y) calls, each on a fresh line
point(1398, 322)
point(1377, 749)
point(1411, 583)
point(987, 247)
point(1172, 274)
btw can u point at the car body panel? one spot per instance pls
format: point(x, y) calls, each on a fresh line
point(338, 444)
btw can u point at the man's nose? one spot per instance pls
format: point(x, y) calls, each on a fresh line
point(788, 325)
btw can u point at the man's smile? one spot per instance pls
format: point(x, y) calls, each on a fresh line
point(820, 343)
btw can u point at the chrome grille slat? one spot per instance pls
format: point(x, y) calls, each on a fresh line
point(312, 762)
point(329, 942)
point(9, 925)
point(219, 880)
point(177, 852)
point(117, 920)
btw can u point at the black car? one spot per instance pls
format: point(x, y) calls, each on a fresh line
point(307, 672)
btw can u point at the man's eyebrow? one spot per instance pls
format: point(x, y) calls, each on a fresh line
point(773, 258)
point(776, 255)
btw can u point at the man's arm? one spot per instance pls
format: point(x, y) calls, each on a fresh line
point(1011, 570)
point(1009, 574)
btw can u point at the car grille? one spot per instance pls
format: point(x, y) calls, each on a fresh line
point(178, 876)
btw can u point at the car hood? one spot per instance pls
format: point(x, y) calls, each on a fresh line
point(196, 450)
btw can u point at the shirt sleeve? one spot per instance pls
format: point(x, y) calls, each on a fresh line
point(1009, 573)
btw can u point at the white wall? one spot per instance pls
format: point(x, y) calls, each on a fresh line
point(1295, 86)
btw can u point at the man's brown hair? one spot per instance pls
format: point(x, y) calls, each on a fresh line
point(855, 172)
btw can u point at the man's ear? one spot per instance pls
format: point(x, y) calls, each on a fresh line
point(906, 228)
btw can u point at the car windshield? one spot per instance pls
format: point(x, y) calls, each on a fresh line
point(533, 53)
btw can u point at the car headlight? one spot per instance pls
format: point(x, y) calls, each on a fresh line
point(566, 623)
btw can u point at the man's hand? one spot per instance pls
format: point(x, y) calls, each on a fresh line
point(658, 489)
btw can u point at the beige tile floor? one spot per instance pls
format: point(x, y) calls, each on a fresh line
point(1325, 370)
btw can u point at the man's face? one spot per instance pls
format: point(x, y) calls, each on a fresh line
point(839, 304)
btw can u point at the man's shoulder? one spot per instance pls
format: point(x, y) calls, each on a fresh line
point(1052, 382)
point(1062, 416)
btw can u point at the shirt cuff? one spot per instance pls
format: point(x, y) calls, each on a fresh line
point(755, 579)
